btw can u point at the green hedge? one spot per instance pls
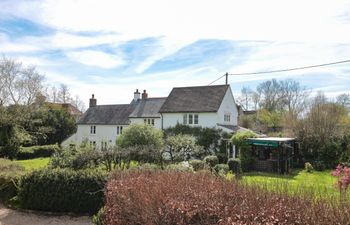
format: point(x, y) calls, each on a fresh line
point(63, 190)
point(37, 151)
point(10, 173)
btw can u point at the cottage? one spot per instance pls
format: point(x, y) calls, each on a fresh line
point(205, 106)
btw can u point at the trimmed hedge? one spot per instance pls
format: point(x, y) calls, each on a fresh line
point(211, 160)
point(10, 173)
point(235, 165)
point(221, 168)
point(63, 190)
point(37, 151)
point(197, 164)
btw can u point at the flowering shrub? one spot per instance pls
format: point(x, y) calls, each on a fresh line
point(343, 174)
point(308, 167)
point(168, 197)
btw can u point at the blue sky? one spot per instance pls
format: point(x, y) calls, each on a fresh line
point(110, 48)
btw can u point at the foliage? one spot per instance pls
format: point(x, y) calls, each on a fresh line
point(33, 164)
point(167, 197)
point(139, 135)
point(221, 168)
point(211, 161)
point(235, 166)
point(308, 167)
point(197, 164)
point(181, 147)
point(62, 158)
point(10, 173)
point(208, 138)
point(343, 174)
point(179, 167)
point(98, 218)
point(245, 153)
point(62, 190)
point(37, 151)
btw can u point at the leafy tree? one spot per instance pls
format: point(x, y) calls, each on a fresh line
point(140, 135)
point(245, 153)
point(181, 147)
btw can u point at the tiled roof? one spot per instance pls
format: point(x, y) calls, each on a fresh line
point(107, 114)
point(195, 99)
point(148, 108)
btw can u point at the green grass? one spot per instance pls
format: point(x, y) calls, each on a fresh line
point(317, 184)
point(32, 164)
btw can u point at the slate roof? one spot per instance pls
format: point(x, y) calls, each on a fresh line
point(194, 99)
point(108, 114)
point(147, 108)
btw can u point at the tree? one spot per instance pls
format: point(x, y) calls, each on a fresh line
point(141, 135)
point(294, 96)
point(63, 94)
point(239, 139)
point(19, 84)
point(246, 97)
point(271, 96)
point(344, 100)
point(181, 147)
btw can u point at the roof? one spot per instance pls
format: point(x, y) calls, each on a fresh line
point(108, 114)
point(71, 109)
point(147, 108)
point(269, 141)
point(194, 99)
point(278, 139)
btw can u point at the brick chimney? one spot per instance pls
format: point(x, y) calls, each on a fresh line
point(136, 95)
point(93, 101)
point(144, 94)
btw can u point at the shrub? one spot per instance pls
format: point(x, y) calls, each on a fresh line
point(10, 173)
point(98, 218)
point(221, 168)
point(308, 167)
point(211, 160)
point(180, 167)
point(235, 165)
point(197, 164)
point(37, 151)
point(62, 190)
point(86, 158)
point(62, 158)
point(245, 154)
point(319, 165)
point(167, 197)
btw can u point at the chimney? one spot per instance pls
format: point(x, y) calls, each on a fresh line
point(144, 94)
point(93, 101)
point(136, 95)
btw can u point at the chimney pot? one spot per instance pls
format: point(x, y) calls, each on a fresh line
point(136, 95)
point(144, 94)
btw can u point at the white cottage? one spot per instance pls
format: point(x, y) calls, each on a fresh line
point(205, 106)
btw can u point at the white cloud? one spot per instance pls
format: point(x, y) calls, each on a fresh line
point(96, 58)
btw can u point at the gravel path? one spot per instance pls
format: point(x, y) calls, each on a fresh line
point(14, 217)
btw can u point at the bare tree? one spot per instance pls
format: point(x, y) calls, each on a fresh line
point(78, 103)
point(344, 100)
point(63, 94)
point(30, 85)
point(271, 95)
point(294, 96)
point(246, 97)
point(10, 74)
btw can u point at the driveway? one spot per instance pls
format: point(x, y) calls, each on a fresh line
point(14, 217)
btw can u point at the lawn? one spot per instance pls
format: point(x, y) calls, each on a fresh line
point(318, 184)
point(32, 164)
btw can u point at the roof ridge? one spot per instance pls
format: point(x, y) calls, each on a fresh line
point(218, 85)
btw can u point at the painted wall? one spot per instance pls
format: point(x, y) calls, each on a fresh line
point(204, 119)
point(228, 106)
point(105, 133)
point(157, 121)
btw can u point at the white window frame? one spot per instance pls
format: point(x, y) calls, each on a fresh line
point(92, 129)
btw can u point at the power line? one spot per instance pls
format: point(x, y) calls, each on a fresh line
point(217, 79)
point(285, 70)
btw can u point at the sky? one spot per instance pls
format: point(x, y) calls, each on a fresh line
point(111, 48)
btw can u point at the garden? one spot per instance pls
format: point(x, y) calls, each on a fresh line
point(185, 178)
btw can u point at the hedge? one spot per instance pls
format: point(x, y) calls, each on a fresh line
point(37, 151)
point(10, 173)
point(63, 190)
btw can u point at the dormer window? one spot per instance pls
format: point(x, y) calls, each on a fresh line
point(92, 129)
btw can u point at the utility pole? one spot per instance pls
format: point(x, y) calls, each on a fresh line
point(226, 74)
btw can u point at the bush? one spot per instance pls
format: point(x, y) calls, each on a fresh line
point(10, 173)
point(319, 166)
point(37, 151)
point(98, 218)
point(86, 158)
point(235, 165)
point(167, 197)
point(211, 160)
point(308, 167)
point(197, 164)
point(245, 154)
point(221, 168)
point(63, 190)
point(180, 167)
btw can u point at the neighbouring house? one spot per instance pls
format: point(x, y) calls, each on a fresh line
point(205, 106)
point(71, 109)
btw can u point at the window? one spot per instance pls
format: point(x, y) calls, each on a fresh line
point(190, 118)
point(152, 122)
point(92, 129)
point(227, 117)
point(149, 121)
point(145, 120)
point(185, 119)
point(195, 118)
point(103, 145)
point(118, 130)
point(93, 144)
point(121, 129)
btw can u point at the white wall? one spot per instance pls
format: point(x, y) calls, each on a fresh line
point(157, 121)
point(228, 105)
point(204, 119)
point(105, 133)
